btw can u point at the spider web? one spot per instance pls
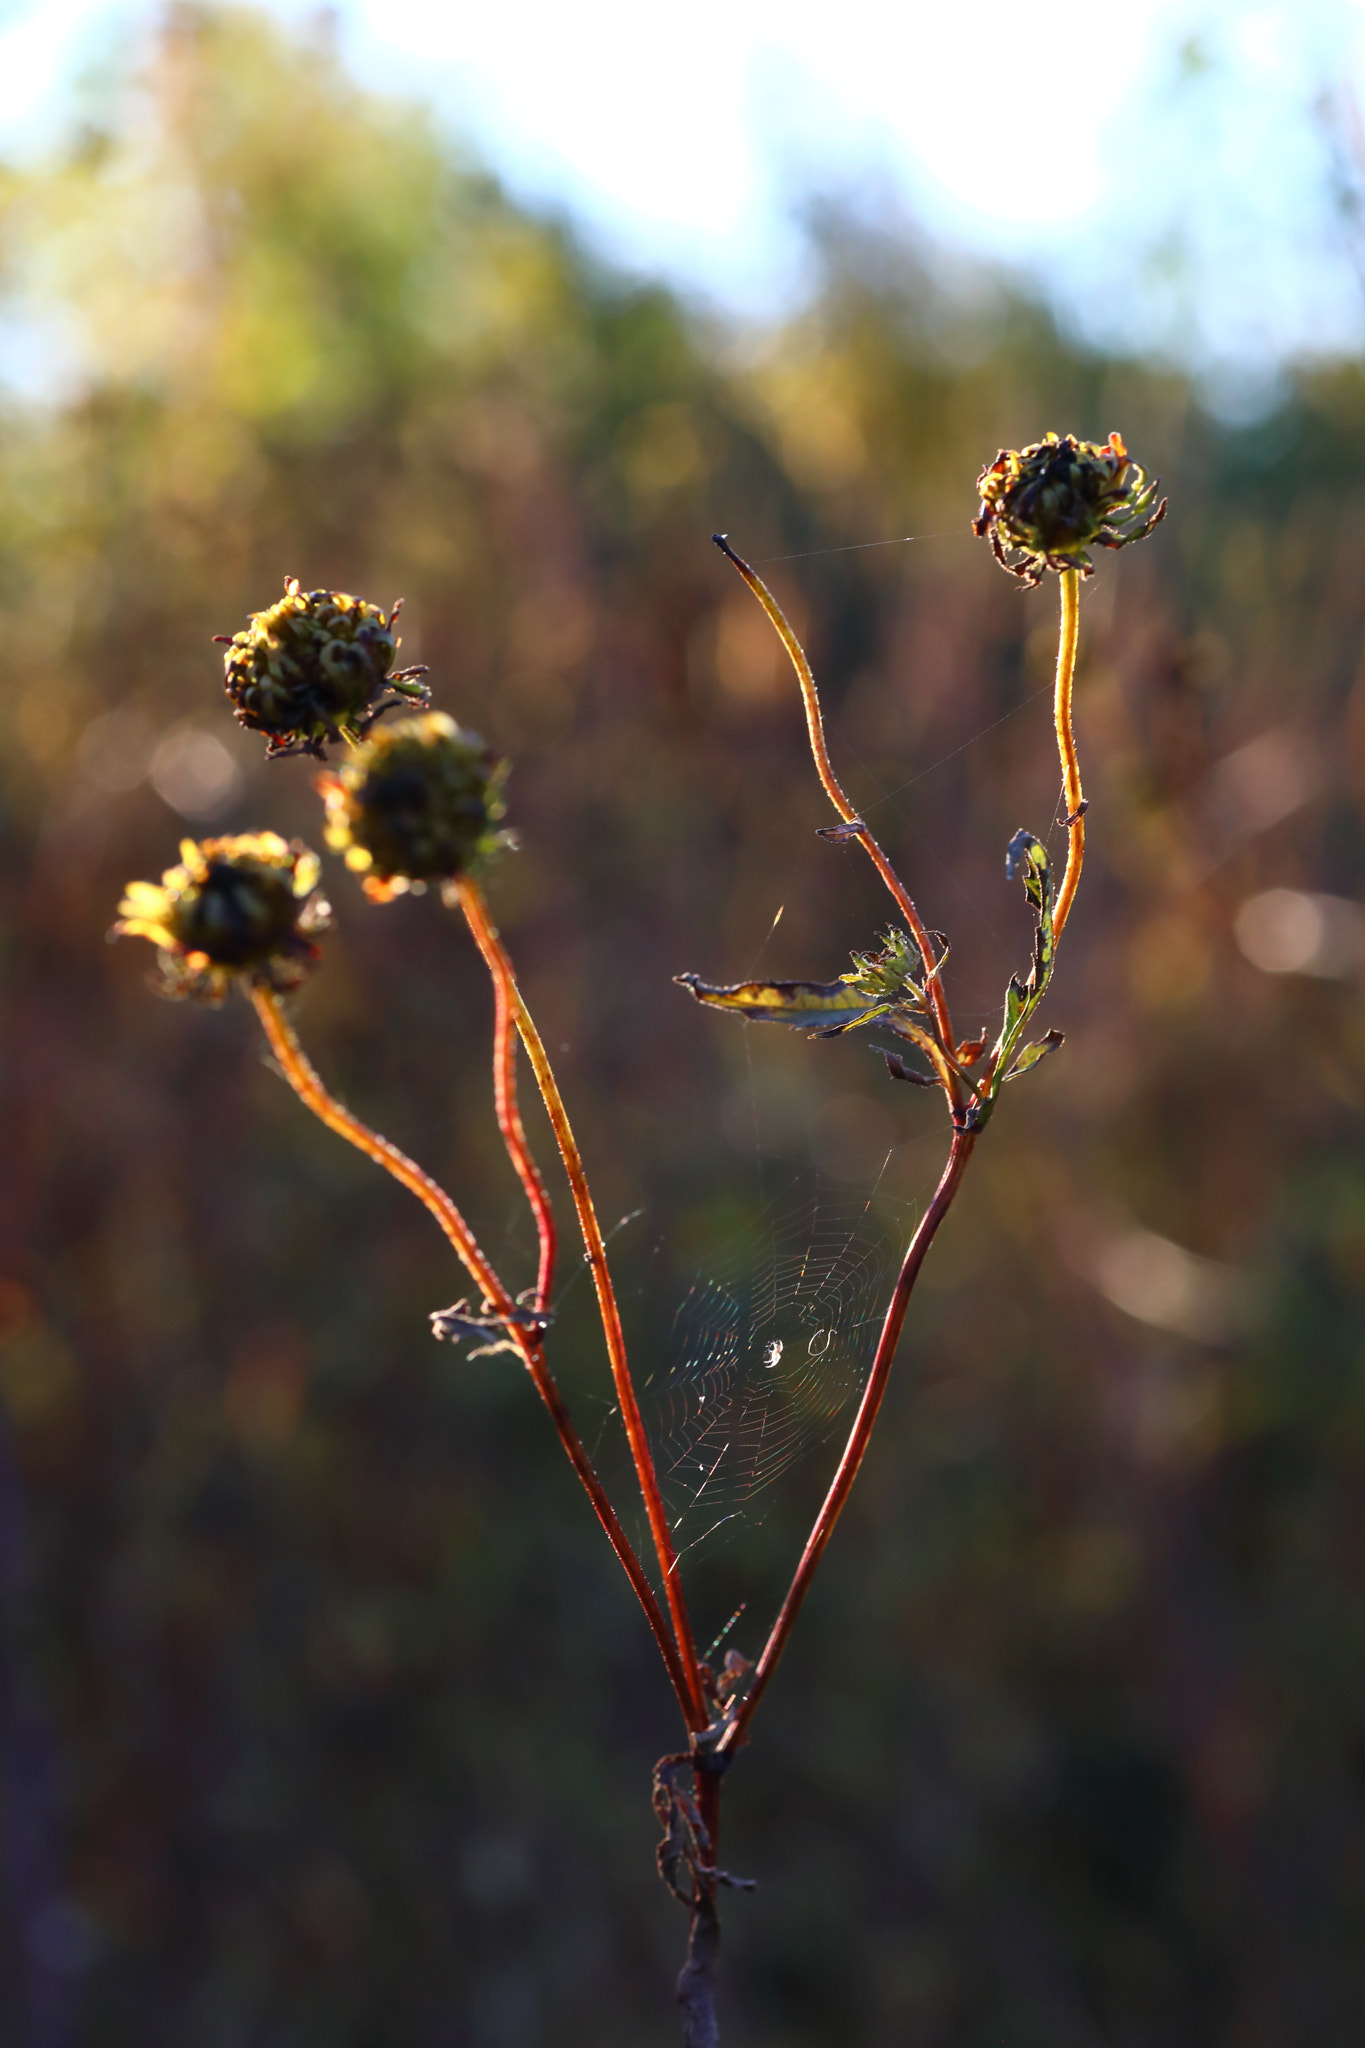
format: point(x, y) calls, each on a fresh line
point(764, 1364)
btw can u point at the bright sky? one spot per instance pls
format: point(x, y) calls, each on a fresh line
point(1170, 165)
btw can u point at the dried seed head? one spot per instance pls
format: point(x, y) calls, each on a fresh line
point(419, 802)
point(1044, 505)
point(240, 906)
point(316, 667)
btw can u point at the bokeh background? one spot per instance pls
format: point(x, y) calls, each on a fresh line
point(326, 1720)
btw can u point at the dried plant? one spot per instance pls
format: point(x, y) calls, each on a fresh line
point(421, 802)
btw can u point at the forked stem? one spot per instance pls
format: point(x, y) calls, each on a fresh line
point(303, 1078)
point(824, 768)
point(470, 899)
point(964, 1142)
point(1066, 747)
point(964, 1138)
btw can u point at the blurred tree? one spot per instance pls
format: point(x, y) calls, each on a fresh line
point(325, 1720)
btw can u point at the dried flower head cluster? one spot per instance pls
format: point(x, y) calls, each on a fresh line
point(317, 667)
point(238, 907)
point(1043, 506)
point(419, 802)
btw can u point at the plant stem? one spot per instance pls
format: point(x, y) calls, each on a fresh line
point(303, 1078)
point(815, 727)
point(470, 899)
point(696, 1992)
point(514, 1138)
point(1066, 747)
point(963, 1144)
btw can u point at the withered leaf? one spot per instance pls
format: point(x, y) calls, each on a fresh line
point(804, 1005)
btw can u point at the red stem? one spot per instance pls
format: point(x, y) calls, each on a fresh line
point(964, 1142)
point(833, 788)
point(514, 1138)
point(304, 1079)
point(470, 899)
point(546, 1387)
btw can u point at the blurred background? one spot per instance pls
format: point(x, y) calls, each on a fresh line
point(326, 1720)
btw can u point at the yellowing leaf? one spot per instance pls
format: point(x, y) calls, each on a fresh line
point(804, 1005)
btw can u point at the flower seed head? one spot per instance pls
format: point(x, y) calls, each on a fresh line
point(420, 801)
point(316, 667)
point(1043, 506)
point(240, 906)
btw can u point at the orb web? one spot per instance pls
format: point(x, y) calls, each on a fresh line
point(764, 1364)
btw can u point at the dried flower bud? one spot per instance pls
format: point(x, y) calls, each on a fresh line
point(316, 667)
point(417, 803)
point(241, 906)
point(1044, 505)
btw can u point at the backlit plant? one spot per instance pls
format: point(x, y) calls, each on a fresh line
point(421, 802)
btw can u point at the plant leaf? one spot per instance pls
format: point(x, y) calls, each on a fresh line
point(1031, 1054)
point(804, 1005)
point(888, 976)
point(1026, 860)
point(897, 1069)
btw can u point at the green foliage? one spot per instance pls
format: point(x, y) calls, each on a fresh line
point(889, 976)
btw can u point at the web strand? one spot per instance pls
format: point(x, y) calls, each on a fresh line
point(762, 1364)
point(857, 547)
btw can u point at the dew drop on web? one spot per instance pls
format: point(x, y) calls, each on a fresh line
point(767, 1355)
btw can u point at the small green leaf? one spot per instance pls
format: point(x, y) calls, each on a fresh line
point(888, 976)
point(1031, 1054)
point(1026, 856)
point(804, 1005)
point(1016, 1005)
point(1026, 860)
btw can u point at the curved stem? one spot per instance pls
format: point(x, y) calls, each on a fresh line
point(470, 899)
point(964, 1142)
point(1066, 747)
point(824, 768)
point(303, 1078)
point(514, 1138)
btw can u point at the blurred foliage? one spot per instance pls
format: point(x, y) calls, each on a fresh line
point(325, 1718)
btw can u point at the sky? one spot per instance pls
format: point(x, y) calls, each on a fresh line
point(1178, 173)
